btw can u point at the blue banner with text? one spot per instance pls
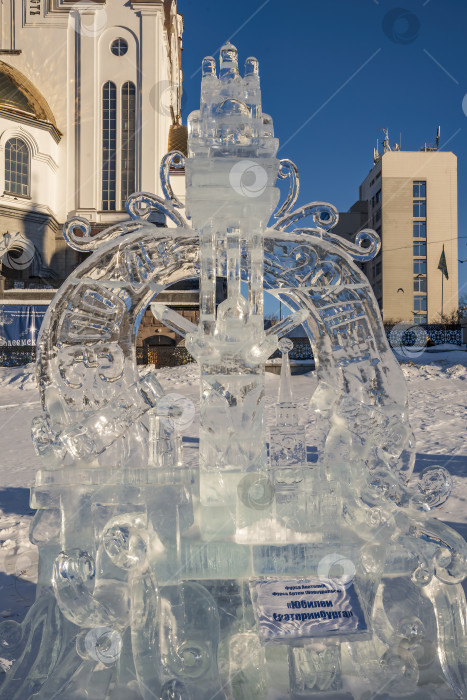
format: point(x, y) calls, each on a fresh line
point(20, 324)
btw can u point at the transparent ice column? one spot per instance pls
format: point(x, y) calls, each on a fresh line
point(231, 171)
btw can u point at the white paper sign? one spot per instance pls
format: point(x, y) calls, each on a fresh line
point(288, 609)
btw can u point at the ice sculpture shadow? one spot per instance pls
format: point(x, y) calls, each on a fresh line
point(455, 464)
point(15, 500)
point(16, 592)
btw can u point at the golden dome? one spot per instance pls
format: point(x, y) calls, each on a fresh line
point(19, 95)
point(178, 138)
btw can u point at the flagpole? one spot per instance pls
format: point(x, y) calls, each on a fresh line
point(442, 294)
point(444, 273)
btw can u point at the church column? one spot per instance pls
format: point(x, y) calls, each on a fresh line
point(72, 138)
point(88, 113)
point(7, 19)
point(151, 84)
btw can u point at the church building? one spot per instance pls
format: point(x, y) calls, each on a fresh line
point(90, 96)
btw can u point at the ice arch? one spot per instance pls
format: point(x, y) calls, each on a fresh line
point(87, 342)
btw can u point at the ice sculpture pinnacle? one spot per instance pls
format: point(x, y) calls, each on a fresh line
point(287, 439)
point(286, 409)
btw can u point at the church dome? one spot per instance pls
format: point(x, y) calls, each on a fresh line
point(19, 96)
point(178, 138)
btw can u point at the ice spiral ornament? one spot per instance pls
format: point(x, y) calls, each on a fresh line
point(253, 573)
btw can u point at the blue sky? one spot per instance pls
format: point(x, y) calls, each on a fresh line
point(334, 72)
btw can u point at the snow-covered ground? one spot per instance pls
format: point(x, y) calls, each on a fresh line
point(438, 408)
point(437, 384)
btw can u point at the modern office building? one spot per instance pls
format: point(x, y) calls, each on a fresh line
point(410, 199)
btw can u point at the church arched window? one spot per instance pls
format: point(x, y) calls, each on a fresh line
point(17, 167)
point(128, 141)
point(109, 147)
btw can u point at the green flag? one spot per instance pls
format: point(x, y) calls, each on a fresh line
point(442, 265)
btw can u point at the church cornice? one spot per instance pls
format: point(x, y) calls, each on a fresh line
point(147, 6)
point(61, 6)
point(39, 217)
point(22, 118)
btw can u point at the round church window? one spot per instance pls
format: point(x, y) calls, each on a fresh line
point(119, 47)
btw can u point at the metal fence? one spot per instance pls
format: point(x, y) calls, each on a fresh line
point(163, 355)
point(173, 356)
point(430, 334)
point(301, 350)
point(15, 357)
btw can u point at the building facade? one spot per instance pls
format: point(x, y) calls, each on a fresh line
point(410, 199)
point(90, 95)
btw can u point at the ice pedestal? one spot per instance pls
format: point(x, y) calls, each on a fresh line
point(246, 575)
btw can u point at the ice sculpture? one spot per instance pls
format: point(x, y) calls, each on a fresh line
point(253, 574)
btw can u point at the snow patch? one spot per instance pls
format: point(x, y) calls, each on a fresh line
point(18, 377)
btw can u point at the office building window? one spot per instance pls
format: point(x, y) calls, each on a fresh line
point(419, 229)
point(109, 147)
point(128, 141)
point(376, 199)
point(419, 249)
point(17, 167)
point(419, 318)
point(419, 208)
point(419, 188)
point(419, 284)
point(419, 304)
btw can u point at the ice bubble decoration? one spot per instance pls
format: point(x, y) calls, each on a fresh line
point(254, 573)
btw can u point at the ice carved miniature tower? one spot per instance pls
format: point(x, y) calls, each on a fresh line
point(230, 173)
point(287, 443)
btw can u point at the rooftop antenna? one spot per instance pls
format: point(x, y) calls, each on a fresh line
point(376, 155)
point(438, 134)
point(386, 145)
